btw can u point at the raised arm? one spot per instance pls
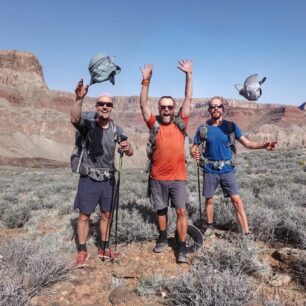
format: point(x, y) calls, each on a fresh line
point(186, 66)
point(76, 110)
point(254, 145)
point(143, 102)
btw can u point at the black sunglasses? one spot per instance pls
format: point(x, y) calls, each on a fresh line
point(108, 104)
point(164, 107)
point(215, 106)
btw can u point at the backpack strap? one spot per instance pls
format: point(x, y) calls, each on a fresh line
point(83, 144)
point(114, 129)
point(231, 135)
point(153, 132)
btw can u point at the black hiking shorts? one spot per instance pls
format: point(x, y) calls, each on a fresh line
point(91, 193)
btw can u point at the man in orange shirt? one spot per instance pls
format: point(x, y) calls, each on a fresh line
point(168, 170)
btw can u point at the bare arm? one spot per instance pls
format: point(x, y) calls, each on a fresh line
point(186, 66)
point(254, 145)
point(143, 102)
point(76, 110)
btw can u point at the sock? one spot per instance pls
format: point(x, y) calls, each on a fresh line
point(210, 225)
point(163, 235)
point(182, 245)
point(104, 245)
point(82, 247)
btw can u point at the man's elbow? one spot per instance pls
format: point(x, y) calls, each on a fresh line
point(74, 119)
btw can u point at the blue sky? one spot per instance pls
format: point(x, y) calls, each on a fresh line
point(226, 40)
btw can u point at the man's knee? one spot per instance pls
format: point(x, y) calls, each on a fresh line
point(105, 215)
point(209, 201)
point(162, 212)
point(237, 202)
point(181, 213)
point(84, 217)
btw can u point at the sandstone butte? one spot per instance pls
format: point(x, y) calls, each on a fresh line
point(35, 129)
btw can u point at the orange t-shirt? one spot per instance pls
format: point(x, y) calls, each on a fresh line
point(168, 159)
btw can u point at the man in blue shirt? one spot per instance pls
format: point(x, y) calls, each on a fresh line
point(213, 141)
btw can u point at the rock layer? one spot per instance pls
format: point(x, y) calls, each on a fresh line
point(34, 121)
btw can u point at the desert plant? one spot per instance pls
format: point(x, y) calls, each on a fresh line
point(29, 265)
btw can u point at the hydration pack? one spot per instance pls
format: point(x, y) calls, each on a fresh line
point(230, 134)
point(81, 141)
point(151, 146)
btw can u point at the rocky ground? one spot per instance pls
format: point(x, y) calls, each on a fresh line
point(114, 283)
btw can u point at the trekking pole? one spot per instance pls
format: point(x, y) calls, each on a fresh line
point(117, 198)
point(115, 202)
point(199, 190)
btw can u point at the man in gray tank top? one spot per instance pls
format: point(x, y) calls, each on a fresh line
point(97, 180)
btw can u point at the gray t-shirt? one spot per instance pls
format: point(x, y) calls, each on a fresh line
point(102, 138)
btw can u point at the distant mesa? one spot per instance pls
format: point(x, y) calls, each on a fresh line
point(35, 128)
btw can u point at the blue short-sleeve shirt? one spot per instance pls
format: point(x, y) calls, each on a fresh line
point(217, 145)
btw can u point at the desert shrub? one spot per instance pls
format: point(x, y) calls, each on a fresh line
point(16, 216)
point(25, 190)
point(29, 265)
point(136, 222)
point(206, 286)
point(150, 285)
point(219, 276)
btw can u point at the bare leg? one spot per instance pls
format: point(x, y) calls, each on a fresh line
point(209, 210)
point(105, 225)
point(241, 215)
point(83, 227)
point(181, 223)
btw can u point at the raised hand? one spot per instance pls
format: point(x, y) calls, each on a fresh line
point(270, 145)
point(147, 71)
point(81, 90)
point(185, 66)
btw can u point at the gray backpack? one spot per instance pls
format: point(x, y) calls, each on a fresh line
point(81, 141)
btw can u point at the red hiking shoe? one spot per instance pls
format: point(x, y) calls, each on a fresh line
point(81, 259)
point(108, 254)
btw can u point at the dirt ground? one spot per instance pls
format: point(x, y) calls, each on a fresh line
point(113, 283)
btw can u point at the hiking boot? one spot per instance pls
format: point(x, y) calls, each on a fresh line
point(160, 246)
point(81, 259)
point(108, 254)
point(209, 234)
point(182, 253)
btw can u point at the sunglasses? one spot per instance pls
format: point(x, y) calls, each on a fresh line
point(216, 106)
point(108, 104)
point(164, 107)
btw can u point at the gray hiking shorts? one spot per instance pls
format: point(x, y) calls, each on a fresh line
point(227, 181)
point(163, 192)
point(91, 193)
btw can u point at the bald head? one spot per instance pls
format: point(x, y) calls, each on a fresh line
point(104, 98)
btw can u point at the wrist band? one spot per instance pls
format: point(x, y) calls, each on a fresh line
point(145, 82)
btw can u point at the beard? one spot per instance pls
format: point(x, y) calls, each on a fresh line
point(168, 119)
point(216, 115)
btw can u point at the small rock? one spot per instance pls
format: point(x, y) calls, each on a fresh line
point(120, 295)
point(35, 300)
point(83, 289)
point(280, 280)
